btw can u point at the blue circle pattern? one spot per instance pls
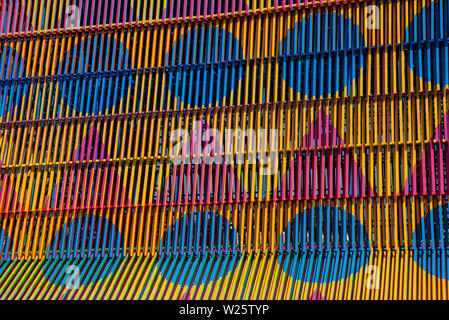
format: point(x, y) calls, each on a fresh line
point(204, 91)
point(423, 54)
point(57, 275)
point(172, 238)
point(11, 59)
point(107, 95)
point(430, 233)
point(347, 225)
point(313, 49)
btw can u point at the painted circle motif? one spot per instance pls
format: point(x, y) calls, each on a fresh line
point(202, 86)
point(72, 232)
point(339, 221)
point(110, 93)
point(13, 66)
point(194, 224)
point(424, 58)
point(314, 57)
point(431, 232)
